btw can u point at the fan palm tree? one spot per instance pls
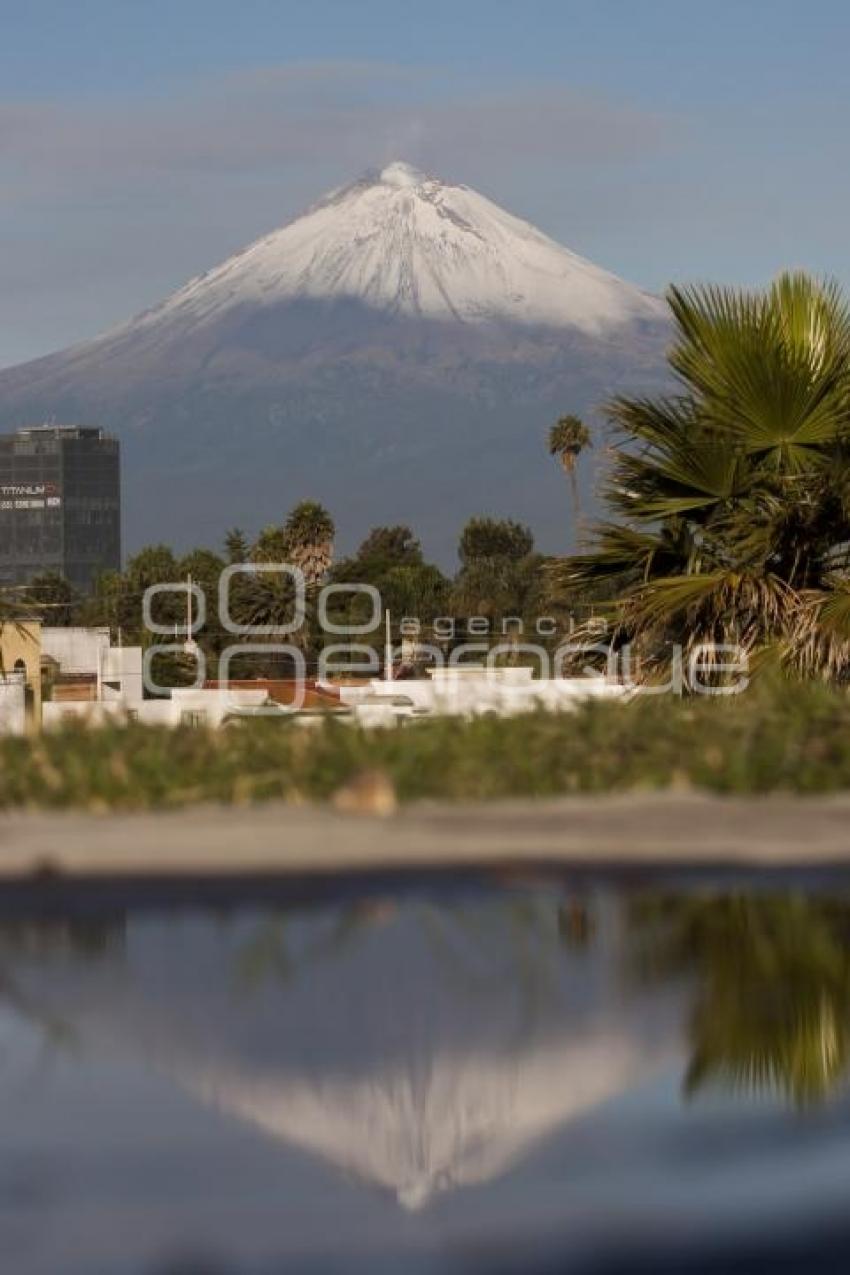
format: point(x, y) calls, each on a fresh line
point(730, 500)
point(305, 541)
point(310, 531)
point(568, 438)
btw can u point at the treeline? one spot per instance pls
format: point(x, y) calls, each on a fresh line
point(502, 589)
point(501, 585)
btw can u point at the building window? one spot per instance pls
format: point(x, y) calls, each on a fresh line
point(193, 717)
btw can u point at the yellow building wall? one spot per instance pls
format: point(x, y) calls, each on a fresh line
point(20, 641)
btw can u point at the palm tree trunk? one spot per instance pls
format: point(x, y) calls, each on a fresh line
point(575, 504)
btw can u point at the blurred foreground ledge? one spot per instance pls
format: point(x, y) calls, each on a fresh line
point(632, 834)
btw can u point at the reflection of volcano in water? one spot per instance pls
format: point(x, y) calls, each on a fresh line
point(415, 1049)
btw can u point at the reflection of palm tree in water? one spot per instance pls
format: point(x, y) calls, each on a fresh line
point(771, 1010)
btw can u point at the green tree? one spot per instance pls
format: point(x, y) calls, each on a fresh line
point(500, 572)
point(236, 547)
point(730, 500)
point(395, 546)
point(271, 545)
point(118, 596)
point(205, 568)
point(155, 564)
point(53, 598)
point(484, 539)
point(390, 559)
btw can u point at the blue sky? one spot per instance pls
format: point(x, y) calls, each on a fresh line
point(143, 141)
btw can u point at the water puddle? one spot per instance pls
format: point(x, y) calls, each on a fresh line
point(522, 1078)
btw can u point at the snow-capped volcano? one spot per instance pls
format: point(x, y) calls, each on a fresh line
point(396, 352)
point(407, 243)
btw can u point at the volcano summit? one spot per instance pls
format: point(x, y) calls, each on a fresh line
point(396, 352)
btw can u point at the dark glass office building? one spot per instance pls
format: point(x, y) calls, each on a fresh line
point(60, 504)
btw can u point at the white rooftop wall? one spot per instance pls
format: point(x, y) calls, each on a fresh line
point(79, 651)
point(471, 691)
point(76, 650)
point(186, 706)
point(124, 664)
point(13, 717)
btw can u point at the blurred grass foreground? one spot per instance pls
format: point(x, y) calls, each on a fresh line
point(792, 737)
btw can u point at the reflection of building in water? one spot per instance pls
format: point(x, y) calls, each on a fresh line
point(417, 1049)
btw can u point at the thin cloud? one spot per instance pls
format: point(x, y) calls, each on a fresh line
point(315, 113)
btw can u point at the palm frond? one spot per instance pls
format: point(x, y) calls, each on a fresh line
point(731, 498)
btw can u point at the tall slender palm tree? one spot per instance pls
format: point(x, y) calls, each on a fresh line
point(568, 438)
point(730, 500)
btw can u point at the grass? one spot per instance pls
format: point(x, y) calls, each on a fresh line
point(791, 738)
